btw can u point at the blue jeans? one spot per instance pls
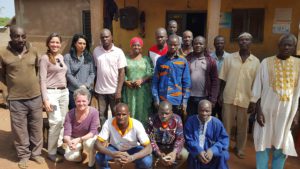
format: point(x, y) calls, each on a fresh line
point(278, 159)
point(142, 163)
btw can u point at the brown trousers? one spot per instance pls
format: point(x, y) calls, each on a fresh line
point(27, 124)
point(236, 116)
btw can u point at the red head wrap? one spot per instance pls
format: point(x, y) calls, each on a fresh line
point(136, 39)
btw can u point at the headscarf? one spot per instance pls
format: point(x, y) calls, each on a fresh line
point(136, 39)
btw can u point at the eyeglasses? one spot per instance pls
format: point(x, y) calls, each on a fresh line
point(59, 62)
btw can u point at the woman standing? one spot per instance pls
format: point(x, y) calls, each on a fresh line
point(80, 128)
point(81, 69)
point(137, 93)
point(54, 92)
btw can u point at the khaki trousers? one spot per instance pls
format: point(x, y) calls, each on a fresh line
point(236, 116)
point(179, 162)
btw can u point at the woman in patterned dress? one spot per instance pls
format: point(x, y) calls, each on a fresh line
point(137, 88)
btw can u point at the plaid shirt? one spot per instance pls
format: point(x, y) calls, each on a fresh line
point(171, 80)
point(170, 137)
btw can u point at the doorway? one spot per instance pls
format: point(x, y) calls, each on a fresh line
point(194, 21)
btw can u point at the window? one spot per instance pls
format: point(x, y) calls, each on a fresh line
point(86, 24)
point(248, 20)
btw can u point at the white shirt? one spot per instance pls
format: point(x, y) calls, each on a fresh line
point(134, 135)
point(278, 114)
point(108, 62)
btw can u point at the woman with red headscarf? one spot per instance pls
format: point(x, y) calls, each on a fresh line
point(137, 89)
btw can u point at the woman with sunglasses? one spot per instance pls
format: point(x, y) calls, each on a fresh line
point(54, 93)
point(81, 69)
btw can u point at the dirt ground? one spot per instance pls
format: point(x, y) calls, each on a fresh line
point(8, 159)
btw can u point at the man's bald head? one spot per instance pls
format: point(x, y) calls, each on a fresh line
point(165, 111)
point(122, 106)
point(105, 31)
point(164, 105)
point(106, 39)
point(18, 38)
point(204, 102)
point(160, 31)
point(172, 27)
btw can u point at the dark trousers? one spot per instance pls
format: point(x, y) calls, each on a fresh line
point(105, 100)
point(27, 124)
point(71, 100)
point(192, 106)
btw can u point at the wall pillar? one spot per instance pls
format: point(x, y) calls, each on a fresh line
point(96, 8)
point(213, 20)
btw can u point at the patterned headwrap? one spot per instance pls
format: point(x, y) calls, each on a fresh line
point(136, 39)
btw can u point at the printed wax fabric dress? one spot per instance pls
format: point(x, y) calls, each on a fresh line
point(139, 100)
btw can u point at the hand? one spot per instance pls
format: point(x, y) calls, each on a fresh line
point(156, 105)
point(213, 105)
point(73, 143)
point(47, 106)
point(295, 123)
point(83, 86)
point(118, 97)
point(260, 118)
point(173, 157)
point(202, 157)
point(251, 108)
point(128, 159)
point(138, 83)
point(184, 113)
point(209, 155)
point(129, 84)
point(220, 99)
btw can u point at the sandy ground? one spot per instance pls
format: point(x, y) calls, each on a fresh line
point(8, 159)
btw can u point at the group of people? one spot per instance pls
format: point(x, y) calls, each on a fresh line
point(161, 103)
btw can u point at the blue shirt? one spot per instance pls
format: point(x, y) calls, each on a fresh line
point(171, 80)
point(219, 61)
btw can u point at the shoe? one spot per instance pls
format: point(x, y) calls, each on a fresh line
point(60, 150)
point(38, 159)
point(92, 167)
point(23, 163)
point(240, 154)
point(55, 158)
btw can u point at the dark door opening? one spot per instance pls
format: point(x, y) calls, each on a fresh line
point(186, 20)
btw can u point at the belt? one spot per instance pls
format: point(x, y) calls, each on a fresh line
point(56, 88)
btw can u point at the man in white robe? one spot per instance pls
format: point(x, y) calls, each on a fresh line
point(276, 91)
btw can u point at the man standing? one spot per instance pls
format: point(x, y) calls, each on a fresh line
point(204, 76)
point(110, 62)
point(206, 139)
point(19, 72)
point(127, 139)
point(276, 89)
point(171, 81)
point(172, 30)
point(161, 47)
point(165, 130)
point(237, 75)
point(187, 46)
point(219, 54)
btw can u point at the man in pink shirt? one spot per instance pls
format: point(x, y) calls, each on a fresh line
point(110, 62)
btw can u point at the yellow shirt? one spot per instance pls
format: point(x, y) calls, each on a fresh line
point(239, 78)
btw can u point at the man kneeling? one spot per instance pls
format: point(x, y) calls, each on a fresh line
point(165, 130)
point(206, 140)
point(125, 136)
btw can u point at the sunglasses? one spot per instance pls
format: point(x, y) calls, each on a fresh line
point(59, 62)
